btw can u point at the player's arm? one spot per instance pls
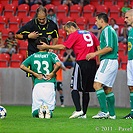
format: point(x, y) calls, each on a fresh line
point(25, 33)
point(63, 67)
point(54, 41)
point(32, 35)
point(54, 47)
point(55, 35)
point(98, 57)
point(56, 67)
point(19, 36)
point(26, 69)
point(53, 73)
point(103, 51)
point(99, 52)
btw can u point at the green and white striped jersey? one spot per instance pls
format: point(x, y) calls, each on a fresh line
point(109, 38)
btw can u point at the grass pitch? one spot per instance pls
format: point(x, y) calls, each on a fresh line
point(19, 120)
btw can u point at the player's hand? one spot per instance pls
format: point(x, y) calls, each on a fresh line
point(33, 35)
point(90, 56)
point(43, 46)
point(49, 76)
point(39, 76)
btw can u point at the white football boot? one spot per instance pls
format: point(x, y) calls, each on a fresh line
point(101, 115)
point(76, 114)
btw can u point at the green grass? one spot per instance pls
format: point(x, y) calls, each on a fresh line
point(19, 120)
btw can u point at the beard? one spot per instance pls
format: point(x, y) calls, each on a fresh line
point(41, 23)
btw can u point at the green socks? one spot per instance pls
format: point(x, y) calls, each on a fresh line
point(111, 103)
point(102, 100)
point(35, 113)
point(131, 102)
point(109, 99)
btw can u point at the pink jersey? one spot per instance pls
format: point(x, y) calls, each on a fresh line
point(82, 42)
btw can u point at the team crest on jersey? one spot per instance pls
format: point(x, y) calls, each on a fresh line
point(129, 46)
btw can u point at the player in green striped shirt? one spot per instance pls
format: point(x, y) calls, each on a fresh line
point(129, 21)
point(107, 71)
point(44, 66)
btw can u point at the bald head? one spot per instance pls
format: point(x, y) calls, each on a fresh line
point(129, 13)
point(129, 17)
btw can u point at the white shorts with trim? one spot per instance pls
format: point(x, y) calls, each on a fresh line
point(43, 94)
point(107, 72)
point(130, 73)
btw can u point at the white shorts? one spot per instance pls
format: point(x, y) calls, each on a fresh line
point(107, 72)
point(43, 94)
point(130, 73)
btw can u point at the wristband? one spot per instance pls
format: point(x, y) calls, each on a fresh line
point(25, 36)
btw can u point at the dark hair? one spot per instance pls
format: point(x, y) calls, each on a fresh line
point(41, 8)
point(113, 20)
point(71, 23)
point(103, 16)
point(50, 10)
point(125, 2)
point(11, 32)
point(41, 39)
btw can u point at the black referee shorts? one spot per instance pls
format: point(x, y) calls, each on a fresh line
point(59, 86)
point(83, 76)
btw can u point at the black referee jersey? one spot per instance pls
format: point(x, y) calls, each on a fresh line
point(49, 30)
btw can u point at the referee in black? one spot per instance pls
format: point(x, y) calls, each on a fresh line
point(39, 26)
